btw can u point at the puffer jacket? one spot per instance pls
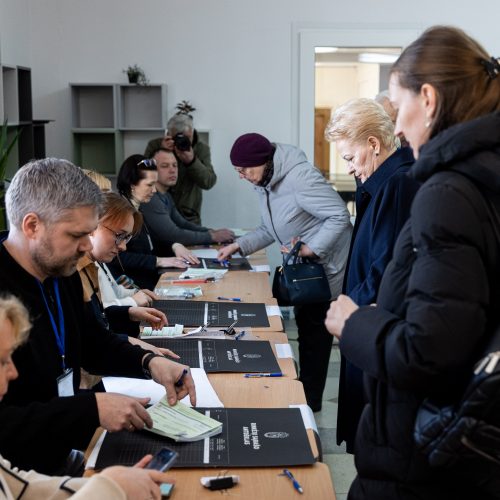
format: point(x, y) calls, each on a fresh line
point(299, 202)
point(429, 325)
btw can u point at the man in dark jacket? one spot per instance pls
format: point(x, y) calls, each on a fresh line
point(52, 208)
point(195, 165)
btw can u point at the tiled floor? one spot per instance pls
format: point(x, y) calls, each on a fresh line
point(341, 464)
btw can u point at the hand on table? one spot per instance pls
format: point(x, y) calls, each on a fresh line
point(171, 262)
point(168, 373)
point(221, 235)
point(155, 318)
point(145, 297)
point(183, 253)
point(137, 482)
point(118, 412)
point(226, 252)
point(150, 347)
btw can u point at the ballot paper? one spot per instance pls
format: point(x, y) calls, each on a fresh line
point(195, 273)
point(273, 311)
point(210, 253)
point(262, 268)
point(178, 292)
point(181, 423)
point(206, 396)
point(166, 331)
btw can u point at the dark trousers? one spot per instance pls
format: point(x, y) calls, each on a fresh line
point(315, 345)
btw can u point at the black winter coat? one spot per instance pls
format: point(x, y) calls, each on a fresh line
point(429, 326)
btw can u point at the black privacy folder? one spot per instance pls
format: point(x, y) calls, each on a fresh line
point(251, 437)
point(219, 355)
point(197, 313)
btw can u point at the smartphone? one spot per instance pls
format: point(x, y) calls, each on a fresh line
point(163, 460)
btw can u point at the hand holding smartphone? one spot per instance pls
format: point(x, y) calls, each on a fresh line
point(163, 460)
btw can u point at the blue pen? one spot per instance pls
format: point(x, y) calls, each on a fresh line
point(295, 483)
point(257, 375)
point(180, 382)
point(234, 299)
point(238, 337)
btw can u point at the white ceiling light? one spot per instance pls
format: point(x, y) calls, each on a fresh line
point(369, 57)
point(325, 50)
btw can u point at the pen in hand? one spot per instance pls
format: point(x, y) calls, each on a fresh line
point(180, 382)
point(295, 483)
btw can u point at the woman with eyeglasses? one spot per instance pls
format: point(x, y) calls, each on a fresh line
point(118, 224)
point(137, 184)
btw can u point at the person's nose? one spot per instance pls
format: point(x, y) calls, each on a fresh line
point(12, 372)
point(86, 244)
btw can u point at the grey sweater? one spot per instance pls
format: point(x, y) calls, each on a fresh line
point(299, 202)
point(166, 225)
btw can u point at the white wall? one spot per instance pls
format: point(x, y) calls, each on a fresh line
point(233, 59)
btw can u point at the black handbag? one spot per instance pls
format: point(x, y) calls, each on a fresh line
point(300, 282)
point(469, 431)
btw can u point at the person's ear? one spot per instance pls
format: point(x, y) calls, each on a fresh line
point(31, 225)
point(428, 97)
point(374, 144)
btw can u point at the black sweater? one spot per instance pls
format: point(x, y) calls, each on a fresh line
point(37, 428)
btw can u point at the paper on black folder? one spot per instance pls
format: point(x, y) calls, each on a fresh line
point(250, 437)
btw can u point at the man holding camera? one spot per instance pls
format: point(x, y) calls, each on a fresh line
point(195, 166)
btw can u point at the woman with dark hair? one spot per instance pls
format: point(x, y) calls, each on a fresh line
point(435, 308)
point(137, 183)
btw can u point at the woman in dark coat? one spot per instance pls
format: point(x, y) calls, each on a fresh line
point(364, 136)
point(430, 323)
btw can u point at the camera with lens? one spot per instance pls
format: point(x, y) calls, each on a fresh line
point(182, 142)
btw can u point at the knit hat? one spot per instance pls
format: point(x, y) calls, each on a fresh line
point(251, 150)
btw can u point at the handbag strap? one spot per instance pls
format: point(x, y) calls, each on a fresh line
point(294, 252)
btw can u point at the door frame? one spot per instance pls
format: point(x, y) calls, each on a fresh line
point(305, 39)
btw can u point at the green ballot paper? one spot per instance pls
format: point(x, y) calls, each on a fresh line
point(182, 423)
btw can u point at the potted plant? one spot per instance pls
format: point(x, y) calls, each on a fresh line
point(5, 149)
point(185, 108)
point(136, 75)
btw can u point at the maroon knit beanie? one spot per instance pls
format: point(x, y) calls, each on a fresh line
point(251, 150)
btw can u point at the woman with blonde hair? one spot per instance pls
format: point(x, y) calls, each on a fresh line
point(438, 300)
point(364, 135)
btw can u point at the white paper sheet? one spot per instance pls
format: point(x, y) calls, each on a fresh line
point(273, 311)
point(210, 253)
point(203, 273)
point(307, 416)
point(140, 388)
point(284, 351)
point(261, 269)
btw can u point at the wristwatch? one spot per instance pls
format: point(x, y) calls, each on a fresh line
point(145, 363)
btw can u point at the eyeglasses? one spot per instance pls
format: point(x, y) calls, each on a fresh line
point(148, 163)
point(119, 237)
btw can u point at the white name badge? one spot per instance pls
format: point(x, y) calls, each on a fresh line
point(65, 384)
